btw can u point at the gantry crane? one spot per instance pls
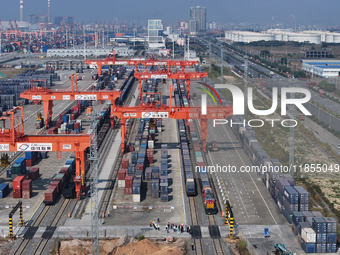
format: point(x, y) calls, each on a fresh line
point(112, 60)
point(167, 74)
point(39, 90)
point(14, 139)
point(172, 112)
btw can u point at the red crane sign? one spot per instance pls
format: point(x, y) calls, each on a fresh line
point(14, 139)
point(39, 90)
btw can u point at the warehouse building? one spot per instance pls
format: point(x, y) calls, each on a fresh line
point(323, 68)
point(315, 37)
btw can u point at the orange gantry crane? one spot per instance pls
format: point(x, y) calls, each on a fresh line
point(14, 139)
point(112, 60)
point(124, 113)
point(167, 74)
point(39, 90)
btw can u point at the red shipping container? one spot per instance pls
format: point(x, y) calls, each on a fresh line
point(29, 162)
point(58, 124)
point(26, 194)
point(139, 166)
point(125, 163)
point(17, 183)
point(200, 164)
point(50, 195)
point(121, 174)
point(76, 125)
point(56, 183)
point(128, 191)
point(33, 174)
point(16, 193)
point(27, 185)
point(128, 181)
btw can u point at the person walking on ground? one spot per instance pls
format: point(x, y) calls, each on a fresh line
point(150, 223)
point(158, 219)
point(192, 246)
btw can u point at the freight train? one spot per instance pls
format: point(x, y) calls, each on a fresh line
point(63, 183)
point(191, 185)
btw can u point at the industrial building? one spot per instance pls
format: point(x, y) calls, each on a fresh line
point(90, 52)
point(155, 34)
point(198, 19)
point(315, 37)
point(324, 68)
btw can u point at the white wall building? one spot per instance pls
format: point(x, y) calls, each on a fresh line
point(316, 37)
point(155, 34)
point(324, 68)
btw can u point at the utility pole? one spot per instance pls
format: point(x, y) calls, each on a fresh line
point(245, 88)
point(173, 49)
point(291, 140)
point(210, 62)
point(221, 65)
point(84, 43)
point(94, 157)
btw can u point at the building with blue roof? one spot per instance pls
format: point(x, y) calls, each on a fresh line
point(323, 68)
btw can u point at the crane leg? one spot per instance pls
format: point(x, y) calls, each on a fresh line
point(79, 178)
point(123, 133)
point(140, 89)
point(47, 112)
point(204, 133)
point(188, 88)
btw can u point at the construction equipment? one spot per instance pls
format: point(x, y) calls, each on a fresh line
point(4, 162)
point(39, 122)
point(280, 249)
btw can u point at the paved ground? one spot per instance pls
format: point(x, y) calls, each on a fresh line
point(251, 202)
point(176, 209)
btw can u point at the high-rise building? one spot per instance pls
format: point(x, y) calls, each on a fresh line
point(155, 33)
point(199, 14)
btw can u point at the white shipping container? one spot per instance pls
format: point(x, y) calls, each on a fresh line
point(308, 235)
point(121, 183)
point(150, 144)
point(159, 129)
point(136, 198)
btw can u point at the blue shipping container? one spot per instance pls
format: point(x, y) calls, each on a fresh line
point(4, 190)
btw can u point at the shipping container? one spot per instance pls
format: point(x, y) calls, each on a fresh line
point(4, 190)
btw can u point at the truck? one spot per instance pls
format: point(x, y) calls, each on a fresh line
point(214, 146)
point(39, 122)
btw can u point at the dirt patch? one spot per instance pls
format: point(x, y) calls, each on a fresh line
point(10, 72)
point(5, 246)
point(121, 246)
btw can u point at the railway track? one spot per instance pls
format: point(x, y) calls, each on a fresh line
point(195, 226)
point(27, 243)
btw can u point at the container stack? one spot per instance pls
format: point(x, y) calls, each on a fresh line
point(308, 239)
point(303, 198)
point(128, 185)
point(27, 189)
point(4, 190)
point(155, 188)
point(31, 158)
point(136, 189)
point(290, 202)
point(164, 188)
point(18, 168)
point(331, 235)
point(17, 186)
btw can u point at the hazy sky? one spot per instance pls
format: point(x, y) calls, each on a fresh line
point(223, 11)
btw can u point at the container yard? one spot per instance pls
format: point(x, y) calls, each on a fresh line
point(116, 141)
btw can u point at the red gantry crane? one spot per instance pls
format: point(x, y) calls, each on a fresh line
point(172, 112)
point(14, 139)
point(39, 90)
point(112, 60)
point(167, 74)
